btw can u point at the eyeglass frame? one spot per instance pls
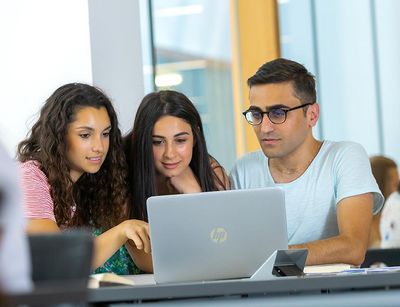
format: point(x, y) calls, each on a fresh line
point(274, 108)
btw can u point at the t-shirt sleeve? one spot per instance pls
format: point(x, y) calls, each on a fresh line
point(239, 173)
point(250, 172)
point(354, 176)
point(234, 177)
point(37, 200)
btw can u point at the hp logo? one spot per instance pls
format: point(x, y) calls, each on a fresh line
point(218, 235)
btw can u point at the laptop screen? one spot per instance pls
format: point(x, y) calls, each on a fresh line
point(215, 235)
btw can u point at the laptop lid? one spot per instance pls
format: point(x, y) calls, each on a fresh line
point(215, 235)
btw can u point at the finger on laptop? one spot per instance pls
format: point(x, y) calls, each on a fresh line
point(138, 232)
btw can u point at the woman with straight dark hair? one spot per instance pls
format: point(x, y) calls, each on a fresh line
point(73, 174)
point(166, 152)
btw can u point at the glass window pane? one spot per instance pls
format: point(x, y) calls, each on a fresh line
point(334, 39)
point(193, 56)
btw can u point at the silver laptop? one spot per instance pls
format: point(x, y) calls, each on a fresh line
point(215, 235)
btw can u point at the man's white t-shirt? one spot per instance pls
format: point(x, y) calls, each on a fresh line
point(340, 170)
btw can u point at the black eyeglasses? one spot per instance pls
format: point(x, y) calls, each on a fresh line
point(276, 115)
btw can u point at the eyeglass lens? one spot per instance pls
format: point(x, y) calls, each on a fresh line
point(277, 116)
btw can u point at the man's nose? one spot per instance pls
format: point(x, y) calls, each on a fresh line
point(266, 124)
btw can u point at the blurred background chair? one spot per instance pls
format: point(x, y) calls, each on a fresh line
point(61, 256)
point(61, 264)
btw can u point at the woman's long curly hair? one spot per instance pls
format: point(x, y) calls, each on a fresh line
point(139, 148)
point(100, 198)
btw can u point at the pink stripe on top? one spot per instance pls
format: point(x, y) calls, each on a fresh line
point(38, 203)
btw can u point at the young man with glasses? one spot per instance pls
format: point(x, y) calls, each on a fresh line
point(330, 192)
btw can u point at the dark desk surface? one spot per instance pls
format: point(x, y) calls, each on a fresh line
point(231, 288)
point(51, 293)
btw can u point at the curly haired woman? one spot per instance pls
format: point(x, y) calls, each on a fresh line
point(73, 174)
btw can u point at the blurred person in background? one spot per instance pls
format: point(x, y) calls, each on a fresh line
point(15, 266)
point(386, 174)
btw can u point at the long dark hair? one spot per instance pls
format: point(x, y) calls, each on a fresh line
point(99, 197)
point(139, 148)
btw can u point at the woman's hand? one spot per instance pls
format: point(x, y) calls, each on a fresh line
point(186, 182)
point(137, 234)
point(138, 243)
point(133, 232)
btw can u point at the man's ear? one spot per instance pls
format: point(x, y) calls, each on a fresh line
point(313, 114)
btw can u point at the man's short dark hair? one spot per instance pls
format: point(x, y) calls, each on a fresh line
point(283, 70)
